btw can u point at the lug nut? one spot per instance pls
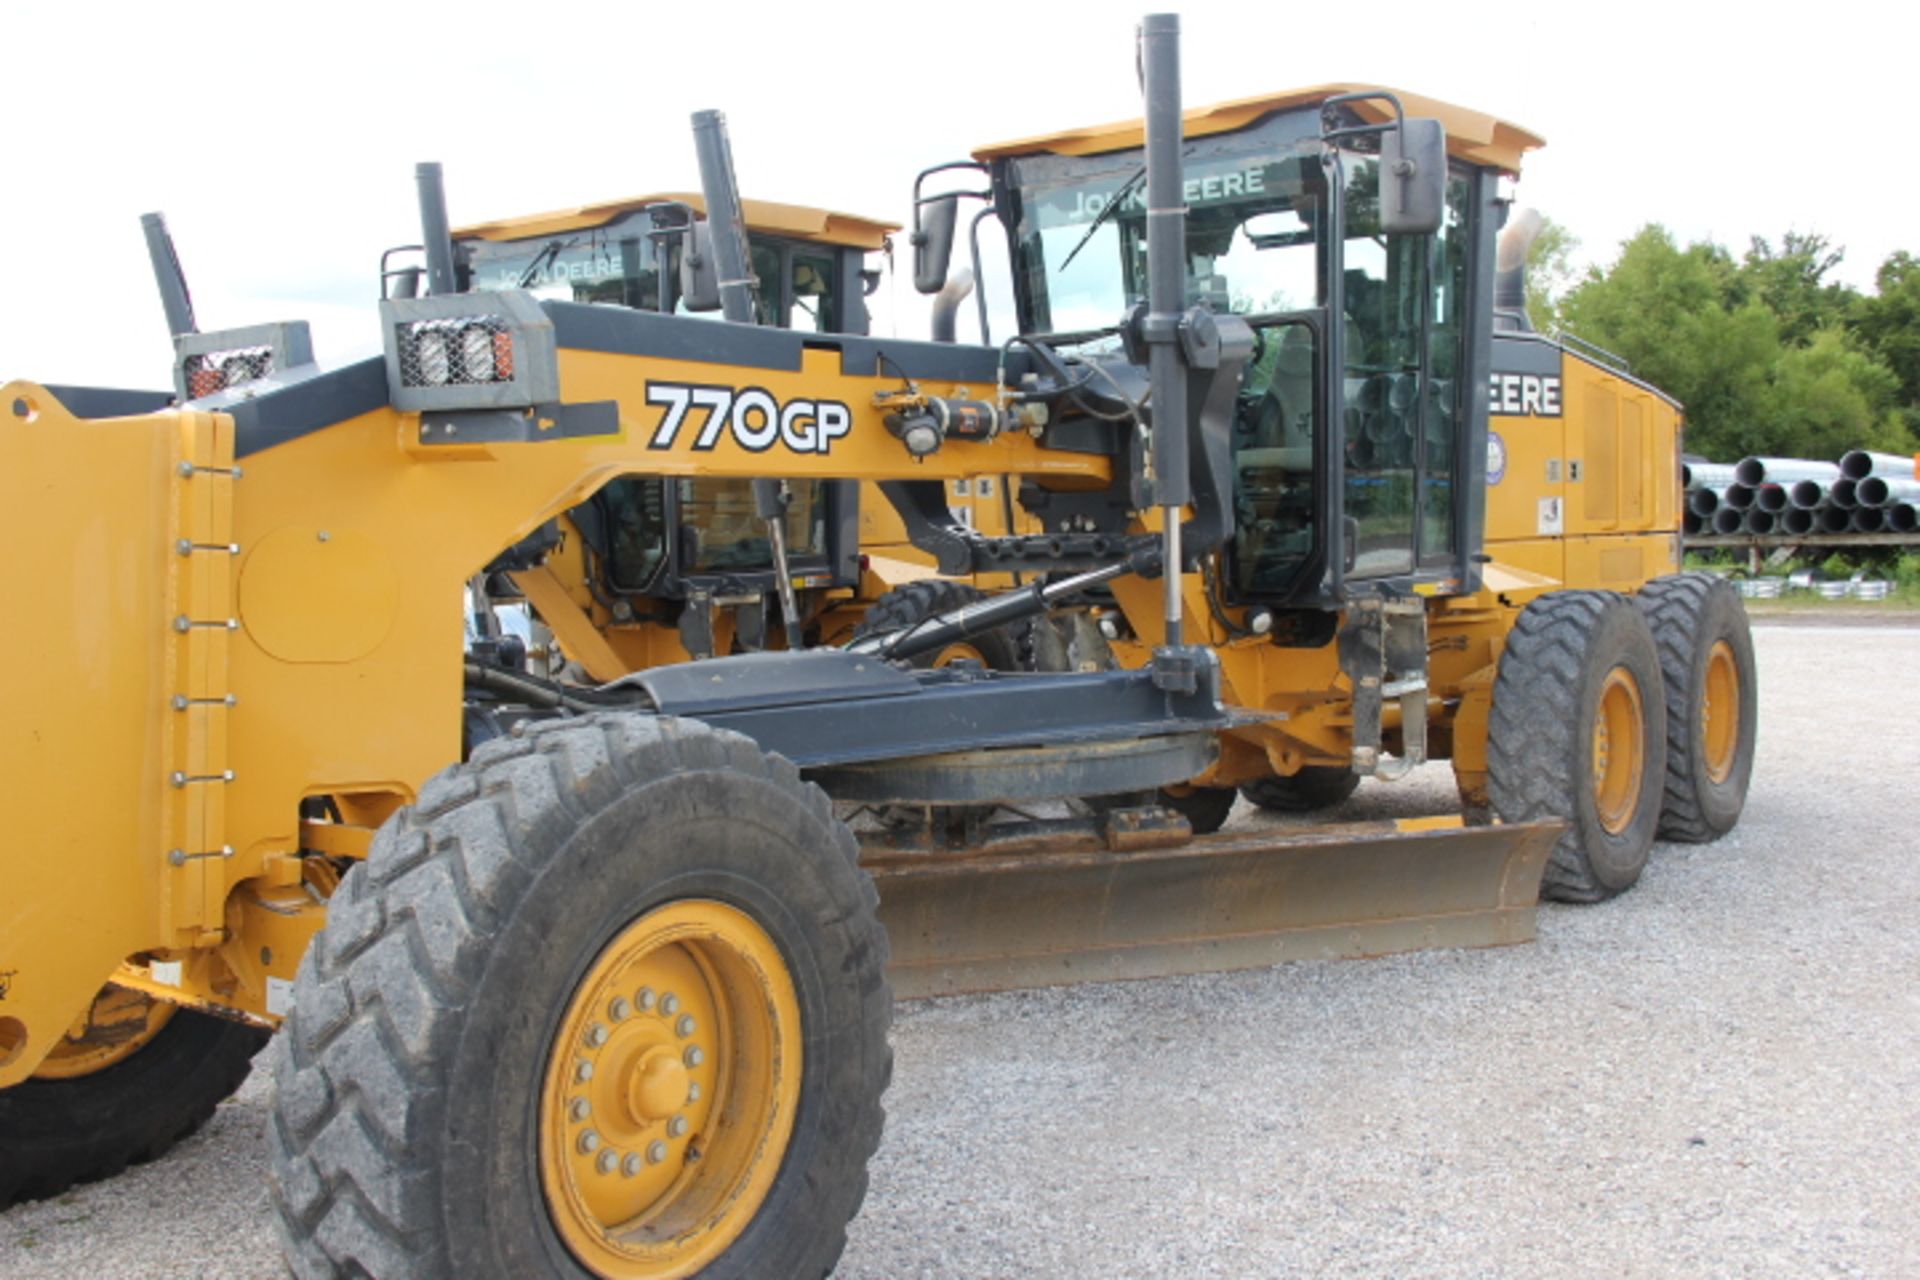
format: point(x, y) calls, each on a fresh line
point(596, 1035)
point(583, 1072)
point(582, 1108)
point(656, 1152)
point(693, 1091)
point(589, 1142)
point(608, 1162)
point(685, 1026)
point(619, 1009)
point(669, 1004)
point(631, 1165)
point(644, 999)
point(693, 1057)
point(677, 1127)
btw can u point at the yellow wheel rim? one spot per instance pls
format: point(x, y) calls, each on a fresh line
point(116, 1026)
point(955, 652)
point(1619, 761)
point(1720, 711)
point(670, 1092)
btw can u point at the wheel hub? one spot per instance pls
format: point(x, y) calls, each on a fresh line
point(1720, 711)
point(1619, 723)
point(671, 1092)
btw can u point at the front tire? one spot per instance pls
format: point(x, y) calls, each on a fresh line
point(1314, 788)
point(1577, 732)
point(492, 988)
point(98, 1105)
point(1206, 809)
point(1706, 659)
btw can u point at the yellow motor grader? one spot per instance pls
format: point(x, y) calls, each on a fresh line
point(581, 972)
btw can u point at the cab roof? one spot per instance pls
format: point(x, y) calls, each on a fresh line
point(798, 222)
point(1471, 135)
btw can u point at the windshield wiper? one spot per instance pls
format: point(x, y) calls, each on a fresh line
point(548, 253)
point(1106, 211)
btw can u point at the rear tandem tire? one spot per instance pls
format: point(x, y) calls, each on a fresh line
point(1314, 788)
point(1004, 648)
point(492, 986)
point(56, 1132)
point(1706, 658)
point(1578, 732)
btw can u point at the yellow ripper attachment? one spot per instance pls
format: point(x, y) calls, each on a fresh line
point(1033, 911)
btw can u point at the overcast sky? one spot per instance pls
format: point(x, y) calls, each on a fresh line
point(280, 140)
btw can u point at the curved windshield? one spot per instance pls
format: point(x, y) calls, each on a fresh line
point(1251, 231)
point(619, 264)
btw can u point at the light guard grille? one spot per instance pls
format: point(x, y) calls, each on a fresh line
point(206, 364)
point(491, 350)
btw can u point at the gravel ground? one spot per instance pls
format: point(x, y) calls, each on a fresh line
point(1718, 1074)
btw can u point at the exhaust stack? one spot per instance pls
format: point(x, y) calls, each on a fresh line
point(1510, 269)
point(168, 275)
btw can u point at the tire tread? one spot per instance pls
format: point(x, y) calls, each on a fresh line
point(338, 1151)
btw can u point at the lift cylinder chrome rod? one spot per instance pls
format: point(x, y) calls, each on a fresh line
point(714, 152)
point(1166, 291)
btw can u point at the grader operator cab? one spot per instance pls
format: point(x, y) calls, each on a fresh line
point(606, 992)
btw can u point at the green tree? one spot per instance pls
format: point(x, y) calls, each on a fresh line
point(1550, 273)
point(1888, 324)
point(1705, 330)
point(1827, 397)
point(1791, 282)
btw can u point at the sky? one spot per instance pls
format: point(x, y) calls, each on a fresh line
point(280, 141)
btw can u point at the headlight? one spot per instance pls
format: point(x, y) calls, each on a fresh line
point(432, 364)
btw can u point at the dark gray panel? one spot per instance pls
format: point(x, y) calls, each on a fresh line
point(313, 404)
point(1526, 353)
point(827, 707)
point(583, 327)
point(109, 402)
point(763, 680)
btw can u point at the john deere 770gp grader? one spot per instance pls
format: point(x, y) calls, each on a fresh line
point(585, 973)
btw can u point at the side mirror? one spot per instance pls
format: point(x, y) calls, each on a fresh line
point(933, 242)
point(699, 273)
point(1413, 178)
